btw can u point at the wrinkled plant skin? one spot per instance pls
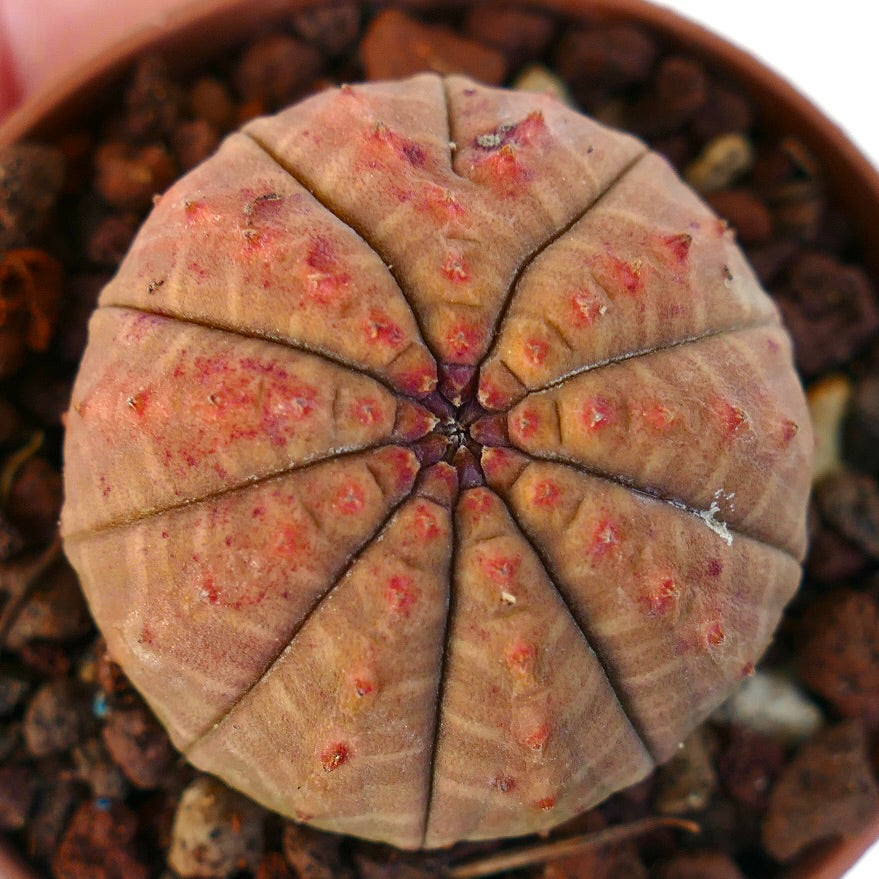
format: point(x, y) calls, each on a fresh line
point(436, 462)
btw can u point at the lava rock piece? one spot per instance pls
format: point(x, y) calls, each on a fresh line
point(139, 745)
point(830, 308)
point(31, 176)
point(839, 653)
point(861, 429)
point(849, 502)
point(56, 717)
point(100, 843)
point(827, 790)
point(397, 45)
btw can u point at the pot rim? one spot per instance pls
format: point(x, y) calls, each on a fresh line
point(851, 175)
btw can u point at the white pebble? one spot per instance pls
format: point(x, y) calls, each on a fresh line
point(770, 703)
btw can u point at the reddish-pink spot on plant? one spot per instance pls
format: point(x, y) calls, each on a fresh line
point(789, 429)
point(335, 755)
point(598, 413)
point(464, 339)
point(587, 306)
point(525, 424)
point(426, 526)
point(546, 493)
point(715, 634)
point(660, 597)
point(401, 595)
point(733, 419)
point(455, 267)
point(679, 246)
point(658, 415)
point(620, 276)
point(521, 658)
point(351, 498)
point(536, 350)
point(501, 569)
point(537, 738)
point(606, 539)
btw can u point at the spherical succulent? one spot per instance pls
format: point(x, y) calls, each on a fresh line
point(436, 462)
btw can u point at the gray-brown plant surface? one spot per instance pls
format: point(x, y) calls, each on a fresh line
point(436, 463)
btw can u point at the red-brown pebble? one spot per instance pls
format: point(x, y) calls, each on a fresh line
point(96, 768)
point(55, 610)
point(312, 854)
point(700, 865)
point(746, 214)
point(849, 502)
point(34, 501)
point(862, 425)
point(152, 100)
point(45, 659)
point(827, 790)
point(610, 862)
point(678, 91)
point(18, 789)
point(56, 717)
point(276, 70)
point(395, 45)
point(839, 652)
point(108, 242)
point(128, 177)
point(112, 679)
point(139, 745)
point(211, 100)
point(193, 142)
point(832, 559)
point(30, 295)
point(333, 28)
point(521, 34)
point(50, 815)
point(748, 765)
point(273, 866)
point(723, 112)
point(99, 844)
point(604, 59)
point(830, 308)
point(392, 864)
point(11, 541)
point(30, 180)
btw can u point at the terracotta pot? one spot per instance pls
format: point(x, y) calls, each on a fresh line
point(204, 27)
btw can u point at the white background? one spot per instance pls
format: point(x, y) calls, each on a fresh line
point(830, 52)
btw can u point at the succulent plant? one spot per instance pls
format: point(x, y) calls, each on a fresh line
point(436, 462)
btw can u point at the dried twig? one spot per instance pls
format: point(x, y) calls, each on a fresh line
point(563, 848)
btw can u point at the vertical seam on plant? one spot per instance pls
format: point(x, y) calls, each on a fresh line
point(322, 200)
point(443, 671)
point(544, 245)
point(334, 584)
point(612, 679)
point(453, 142)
